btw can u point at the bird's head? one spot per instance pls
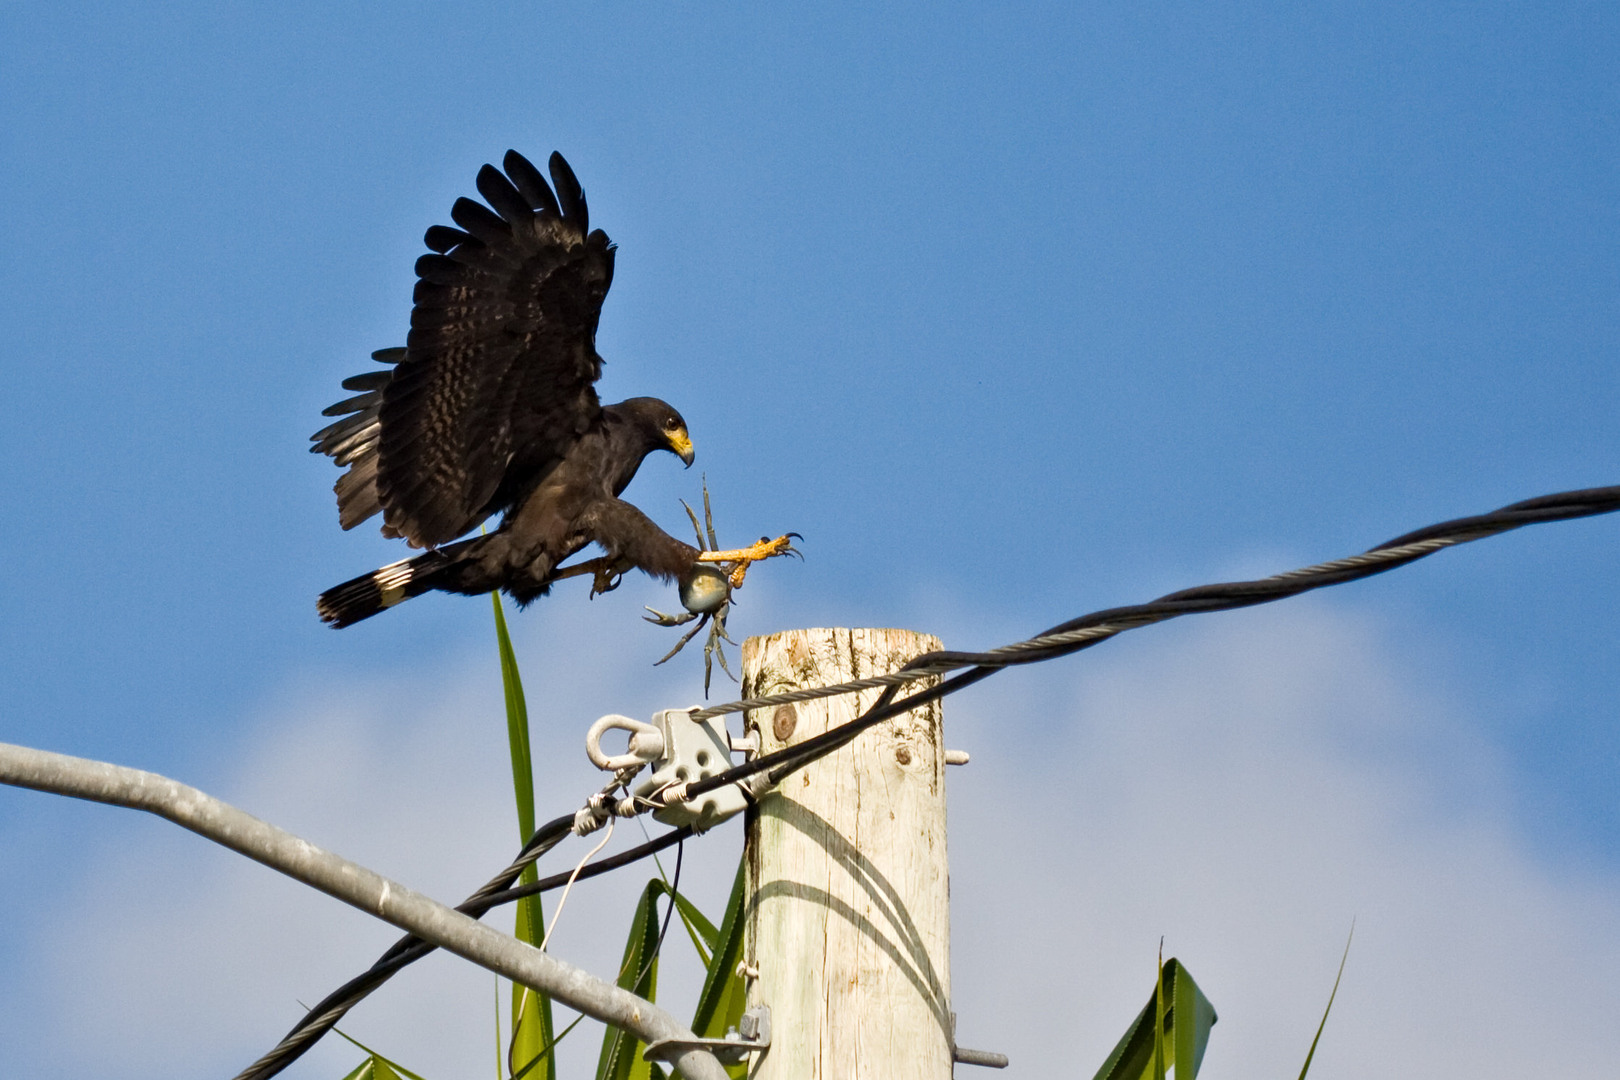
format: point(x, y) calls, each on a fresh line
point(663, 426)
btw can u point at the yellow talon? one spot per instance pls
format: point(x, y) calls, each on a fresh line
point(744, 557)
point(762, 550)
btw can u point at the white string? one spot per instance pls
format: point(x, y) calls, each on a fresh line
point(557, 915)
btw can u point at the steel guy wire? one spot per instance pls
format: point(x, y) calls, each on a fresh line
point(407, 950)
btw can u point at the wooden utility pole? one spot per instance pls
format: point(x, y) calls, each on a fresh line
point(848, 919)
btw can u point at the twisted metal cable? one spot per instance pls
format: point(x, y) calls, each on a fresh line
point(1097, 627)
point(1061, 640)
point(407, 950)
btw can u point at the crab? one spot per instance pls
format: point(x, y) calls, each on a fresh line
point(706, 591)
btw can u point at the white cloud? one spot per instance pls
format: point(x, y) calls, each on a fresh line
point(1245, 787)
point(1242, 786)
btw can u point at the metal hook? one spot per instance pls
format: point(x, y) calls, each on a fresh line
point(646, 743)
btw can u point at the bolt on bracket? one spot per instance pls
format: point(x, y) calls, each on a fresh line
point(753, 1032)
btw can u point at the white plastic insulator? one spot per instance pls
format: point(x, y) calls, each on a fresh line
point(956, 757)
point(646, 743)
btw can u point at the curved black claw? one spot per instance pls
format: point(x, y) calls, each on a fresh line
point(606, 579)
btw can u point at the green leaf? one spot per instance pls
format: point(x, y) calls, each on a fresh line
point(702, 932)
point(528, 1053)
point(1159, 1025)
point(638, 973)
point(376, 1067)
point(1334, 994)
point(373, 1068)
point(532, 1029)
point(517, 724)
point(1160, 1066)
point(697, 926)
point(522, 1071)
point(720, 1005)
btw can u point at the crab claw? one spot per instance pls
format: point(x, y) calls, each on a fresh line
point(661, 619)
point(688, 636)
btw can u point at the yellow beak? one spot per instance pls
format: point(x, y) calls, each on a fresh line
point(681, 443)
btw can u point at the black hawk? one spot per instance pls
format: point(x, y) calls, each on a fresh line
point(491, 407)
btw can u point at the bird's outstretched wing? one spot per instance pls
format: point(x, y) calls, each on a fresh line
point(496, 380)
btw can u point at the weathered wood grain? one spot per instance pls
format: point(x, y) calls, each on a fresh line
point(848, 919)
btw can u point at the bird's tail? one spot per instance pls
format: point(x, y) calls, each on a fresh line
point(364, 596)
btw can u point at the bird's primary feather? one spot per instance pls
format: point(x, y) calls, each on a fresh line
point(491, 408)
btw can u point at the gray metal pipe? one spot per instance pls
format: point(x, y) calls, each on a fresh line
point(367, 890)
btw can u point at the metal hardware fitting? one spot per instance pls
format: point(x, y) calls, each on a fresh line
point(692, 751)
point(646, 743)
point(753, 1032)
point(963, 1056)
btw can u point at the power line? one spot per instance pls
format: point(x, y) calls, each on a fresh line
point(1061, 640)
point(1097, 627)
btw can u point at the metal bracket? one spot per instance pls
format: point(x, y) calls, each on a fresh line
point(963, 1056)
point(646, 743)
point(753, 1032)
point(692, 751)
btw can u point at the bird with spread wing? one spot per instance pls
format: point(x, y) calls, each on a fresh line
point(491, 408)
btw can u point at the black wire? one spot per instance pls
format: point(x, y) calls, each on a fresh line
point(1202, 599)
point(678, 836)
point(1199, 600)
point(407, 950)
point(624, 858)
point(675, 887)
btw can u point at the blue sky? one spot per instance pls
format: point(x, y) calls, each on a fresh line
point(1014, 313)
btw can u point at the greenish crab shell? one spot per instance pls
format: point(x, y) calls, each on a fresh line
point(706, 590)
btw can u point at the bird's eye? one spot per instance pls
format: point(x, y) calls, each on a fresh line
point(670, 424)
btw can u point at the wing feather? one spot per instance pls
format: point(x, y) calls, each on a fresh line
point(354, 404)
point(442, 238)
point(503, 196)
point(570, 196)
point(370, 380)
point(531, 184)
point(496, 380)
point(482, 222)
point(352, 441)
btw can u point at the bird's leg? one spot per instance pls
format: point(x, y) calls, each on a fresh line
point(744, 557)
point(590, 566)
point(606, 572)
